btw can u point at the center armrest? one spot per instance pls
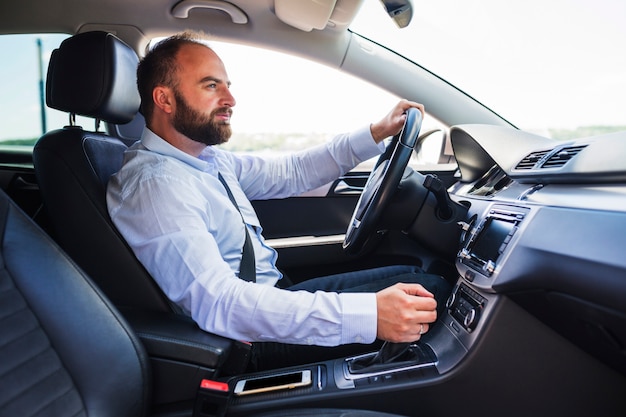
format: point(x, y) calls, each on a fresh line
point(177, 337)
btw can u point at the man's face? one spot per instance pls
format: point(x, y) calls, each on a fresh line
point(211, 129)
point(203, 100)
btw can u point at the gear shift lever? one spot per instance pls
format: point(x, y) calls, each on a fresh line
point(393, 355)
point(392, 352)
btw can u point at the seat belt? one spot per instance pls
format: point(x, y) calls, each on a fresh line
point(247, 267)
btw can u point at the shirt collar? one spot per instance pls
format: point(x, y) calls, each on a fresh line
point(155, 143)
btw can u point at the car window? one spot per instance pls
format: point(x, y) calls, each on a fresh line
point(285, 103)
point(24, 117)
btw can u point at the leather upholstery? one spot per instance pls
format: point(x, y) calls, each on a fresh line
point(92, 74)
point(73, 167)
point(64, 349)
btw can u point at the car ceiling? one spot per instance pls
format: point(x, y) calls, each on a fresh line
point(138, 21)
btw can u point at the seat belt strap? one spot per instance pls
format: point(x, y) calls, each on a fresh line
point(247, 268)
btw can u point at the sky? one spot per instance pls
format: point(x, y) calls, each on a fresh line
point(19, 82)
point(540, 64)
point(558, 63)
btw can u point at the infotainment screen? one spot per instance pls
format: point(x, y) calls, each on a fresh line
point(490, 238)
point(487, 245)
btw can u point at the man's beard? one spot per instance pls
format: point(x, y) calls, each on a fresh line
point(196, 126)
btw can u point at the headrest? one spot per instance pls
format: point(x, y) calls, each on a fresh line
point(93, 74)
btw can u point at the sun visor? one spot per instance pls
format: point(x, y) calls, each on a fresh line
point(307, 15)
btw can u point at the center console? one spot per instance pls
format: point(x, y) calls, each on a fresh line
point(485, 245)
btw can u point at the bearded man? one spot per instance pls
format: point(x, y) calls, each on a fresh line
point(183, 205)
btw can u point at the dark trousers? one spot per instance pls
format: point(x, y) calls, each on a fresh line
point(270, 355)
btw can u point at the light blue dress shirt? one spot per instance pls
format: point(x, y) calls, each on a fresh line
point(177, 217)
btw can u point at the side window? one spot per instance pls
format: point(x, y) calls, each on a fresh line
point(286, 103)
point(24, 117)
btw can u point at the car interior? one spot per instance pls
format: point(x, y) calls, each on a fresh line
point(529, 231)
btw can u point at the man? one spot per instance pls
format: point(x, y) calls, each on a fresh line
point(171, 202)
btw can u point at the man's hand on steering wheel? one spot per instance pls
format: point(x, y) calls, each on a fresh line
point(392, 123)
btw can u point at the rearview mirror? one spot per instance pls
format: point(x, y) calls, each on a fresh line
point(401, 11)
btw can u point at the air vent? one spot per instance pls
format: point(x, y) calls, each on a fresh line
point(531, 160)
point(561, 157)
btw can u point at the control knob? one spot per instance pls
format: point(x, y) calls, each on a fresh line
point(451, 300)
point(471, 318)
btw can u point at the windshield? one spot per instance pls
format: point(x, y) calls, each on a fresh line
point(553, 67)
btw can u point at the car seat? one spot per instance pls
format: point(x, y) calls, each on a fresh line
point(64, 348)
point(92, 74)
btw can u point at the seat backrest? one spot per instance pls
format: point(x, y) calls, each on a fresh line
point(92, 74)
point(64, 349)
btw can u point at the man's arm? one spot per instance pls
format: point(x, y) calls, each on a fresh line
point(280, 177)
point(180, 236)
point(306, 170)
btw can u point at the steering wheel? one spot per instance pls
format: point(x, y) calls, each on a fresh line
point(382, 183)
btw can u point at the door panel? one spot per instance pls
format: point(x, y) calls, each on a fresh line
point(17, 178)
point(308, 231)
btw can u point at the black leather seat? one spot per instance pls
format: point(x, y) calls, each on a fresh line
point(92, 74)
point(64, 348)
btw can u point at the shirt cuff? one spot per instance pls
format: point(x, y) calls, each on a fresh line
point(363, 144)
point(360, 318)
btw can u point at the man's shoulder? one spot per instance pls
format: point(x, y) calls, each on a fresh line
point(142, 164)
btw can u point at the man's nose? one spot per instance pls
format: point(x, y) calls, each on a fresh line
point(228, 99)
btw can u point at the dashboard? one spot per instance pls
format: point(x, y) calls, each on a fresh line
point(546, 228)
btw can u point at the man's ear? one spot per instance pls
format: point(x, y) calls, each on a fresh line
point(163, 99)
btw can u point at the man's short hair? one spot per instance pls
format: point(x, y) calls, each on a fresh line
point(159, 67)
